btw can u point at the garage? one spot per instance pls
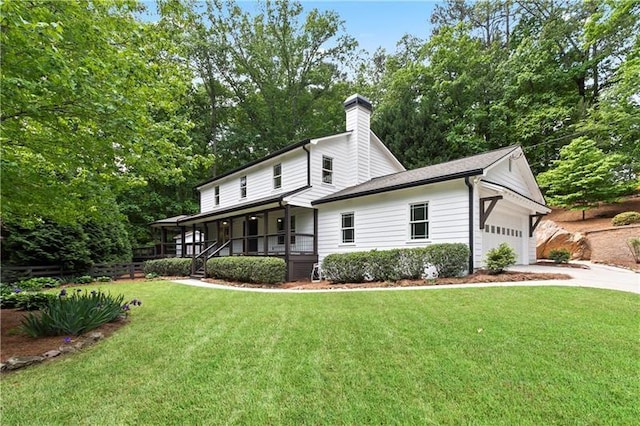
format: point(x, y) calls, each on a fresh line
point(502, 227)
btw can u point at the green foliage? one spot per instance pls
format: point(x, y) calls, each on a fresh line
point(450, 260)
point(626, 218)
point(26, 301)
point(169, 267)
point(262, 270)
point(634, 246)
point(584, 176)
point(37, 284)
point(84, 279)
point(73, 247)
point(103, 279)
point(346, 267)
point(75, 314)
point(151, 276)
point(500, 258)
point(560, 255)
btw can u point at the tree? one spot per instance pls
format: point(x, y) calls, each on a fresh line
point(584, 176)
point(90, 106)
point(275, 69)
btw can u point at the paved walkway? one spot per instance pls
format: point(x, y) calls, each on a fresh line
point(598, 276)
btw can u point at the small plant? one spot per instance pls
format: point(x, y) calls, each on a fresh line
point(151, 276)
point(500, 258)
point(76, 312)
point(37, 284)
point(560, 255)
point(84, 279)
point(26, 301)
point(634, 246)
point(626, 218)
point(103, 279)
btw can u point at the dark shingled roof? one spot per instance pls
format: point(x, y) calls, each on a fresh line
point(463, 167)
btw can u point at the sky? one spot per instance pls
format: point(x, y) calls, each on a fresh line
point(373, 23)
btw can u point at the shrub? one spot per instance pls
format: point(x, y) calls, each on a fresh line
point(395, 265)
point(626, 218)
point(26, 301)
point(104, 279)
point(168, 267)
point(151, 276)
point(634, 246)
point(560, 255)
point(84, 279)
point(500, 258)
point(37, 284)
point(75, 314)
point(253, 269)
point(346, 267)
point(449, 259)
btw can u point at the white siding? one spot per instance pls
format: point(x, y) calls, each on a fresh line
point(343, 170)
point(259, 182)
point(519, 178)
point(382, 220)
point(381, 164)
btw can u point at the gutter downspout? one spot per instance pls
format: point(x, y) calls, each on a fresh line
point(471, 250)
point(308, 164)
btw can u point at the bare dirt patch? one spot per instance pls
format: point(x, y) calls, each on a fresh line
point(16, 342)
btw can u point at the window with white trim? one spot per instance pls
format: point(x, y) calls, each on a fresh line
point(216, 195)
point(348, 228)
point(327, 169)
point(277, 176)
point(243, 187)
point(419, 221)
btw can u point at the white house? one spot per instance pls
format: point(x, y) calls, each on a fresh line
point(347, 192)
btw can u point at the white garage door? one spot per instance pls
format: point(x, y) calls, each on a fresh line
point(504, 228)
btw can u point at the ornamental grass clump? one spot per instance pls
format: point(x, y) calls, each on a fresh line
point(76, 312)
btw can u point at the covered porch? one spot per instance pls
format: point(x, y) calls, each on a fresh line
point(256, 230)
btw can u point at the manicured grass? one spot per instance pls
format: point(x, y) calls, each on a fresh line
point(539, 355)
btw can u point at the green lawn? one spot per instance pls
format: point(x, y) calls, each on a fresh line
point(198, 356)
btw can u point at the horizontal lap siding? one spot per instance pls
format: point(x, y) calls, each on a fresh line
point(511, 179)
point(381, 164)
point(259, 182)
point(382, 221)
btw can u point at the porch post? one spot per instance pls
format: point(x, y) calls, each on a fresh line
point(183, 244)
point(315, 231)
point(245, 231)
point(266, 233)
point(206, 235)
point(231, 237)
point(193, 248)
point(287, 238)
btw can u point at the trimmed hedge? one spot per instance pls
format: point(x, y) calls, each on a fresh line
point(626, 218)
point(449, 260)
point(253, 269)
point(170, 267)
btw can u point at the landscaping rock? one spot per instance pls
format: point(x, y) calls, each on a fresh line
point(95, 336)
point(51, 354)
point(17, 362)
point(67, 349)
point(550, 236)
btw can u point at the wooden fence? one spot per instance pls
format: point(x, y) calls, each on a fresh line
point(114, 270)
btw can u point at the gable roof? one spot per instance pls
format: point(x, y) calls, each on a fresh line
point(455, 169)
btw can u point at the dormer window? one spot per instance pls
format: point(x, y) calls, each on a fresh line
point(217, 195)
point(243, 187)
point(327, 169)
point(277, 176)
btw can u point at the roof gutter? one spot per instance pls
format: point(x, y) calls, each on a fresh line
point(400, 186)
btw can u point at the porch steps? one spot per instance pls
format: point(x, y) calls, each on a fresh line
point(198, 275)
